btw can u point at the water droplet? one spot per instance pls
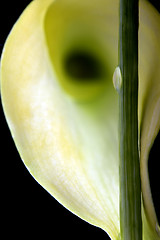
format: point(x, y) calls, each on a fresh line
point(117, 79)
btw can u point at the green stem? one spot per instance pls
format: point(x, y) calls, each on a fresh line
point(130, 187)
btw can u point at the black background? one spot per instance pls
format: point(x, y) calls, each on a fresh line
point(29, 211)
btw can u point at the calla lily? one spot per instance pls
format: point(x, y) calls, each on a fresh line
point(62, 108)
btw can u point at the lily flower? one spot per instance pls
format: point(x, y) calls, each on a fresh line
point(62, 108)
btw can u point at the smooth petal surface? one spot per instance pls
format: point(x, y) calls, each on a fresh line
point(66, 129)
point(149, 107)
point(70, 147)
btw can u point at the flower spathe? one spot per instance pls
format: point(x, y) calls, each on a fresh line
point(63, 114)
